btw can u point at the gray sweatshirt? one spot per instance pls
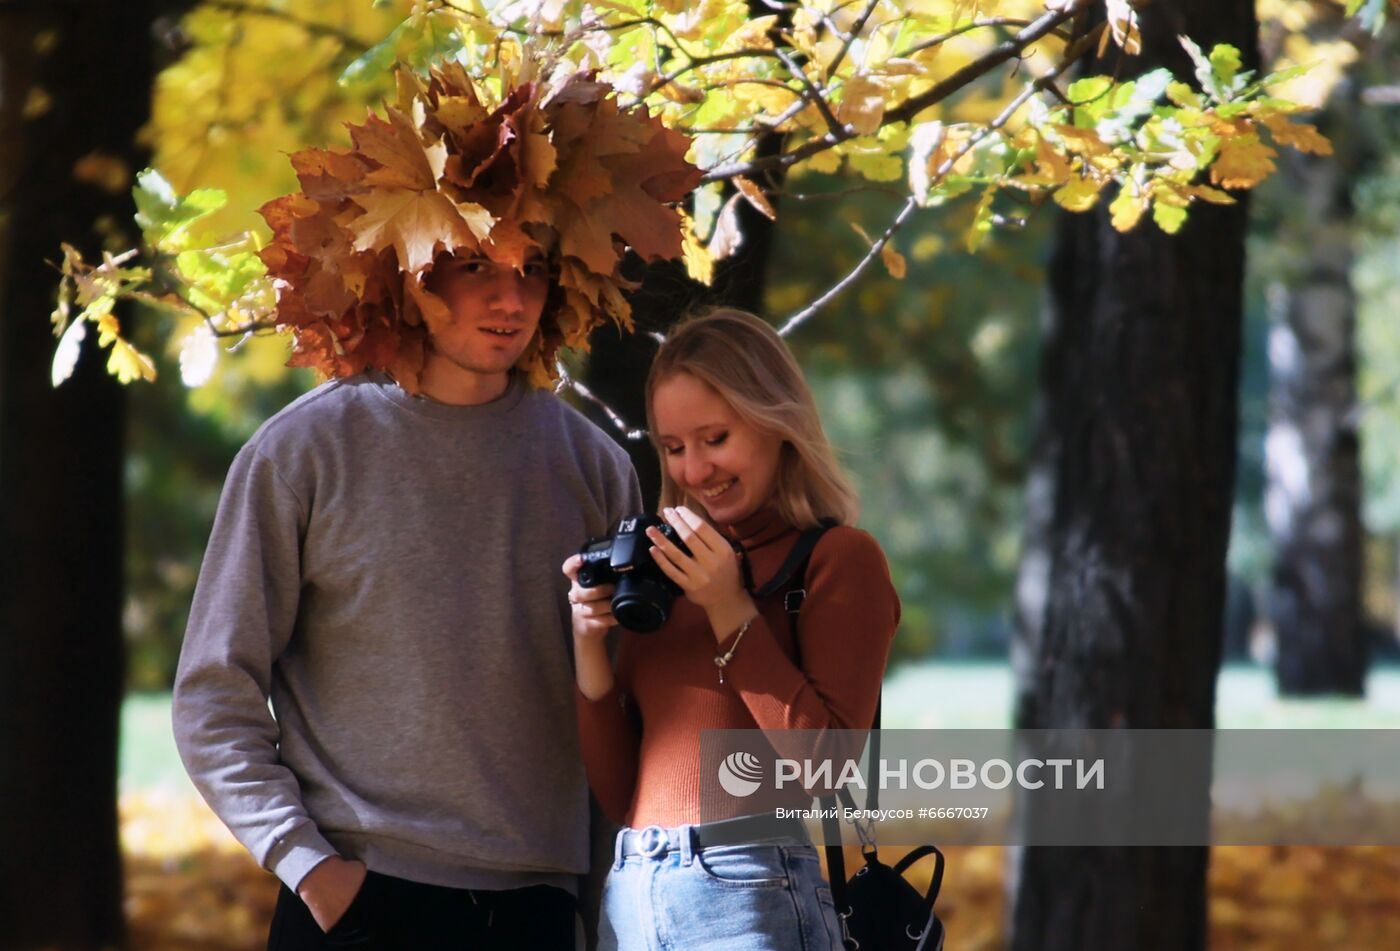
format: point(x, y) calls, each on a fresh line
point(386, 571)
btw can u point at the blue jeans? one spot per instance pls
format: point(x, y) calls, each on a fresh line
point(762, 897)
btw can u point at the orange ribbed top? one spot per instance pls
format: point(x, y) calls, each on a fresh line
point(641, 740)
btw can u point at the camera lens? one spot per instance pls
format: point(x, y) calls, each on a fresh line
point(641, 604)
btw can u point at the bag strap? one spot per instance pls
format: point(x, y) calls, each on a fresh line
point(935, 883)
point(795, 566)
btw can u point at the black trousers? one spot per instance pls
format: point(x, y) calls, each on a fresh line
point(394, 914)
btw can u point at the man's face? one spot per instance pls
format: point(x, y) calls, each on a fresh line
point(495, 309)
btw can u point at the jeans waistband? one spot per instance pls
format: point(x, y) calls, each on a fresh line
point(656, 841)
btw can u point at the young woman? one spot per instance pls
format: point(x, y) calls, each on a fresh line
point(744, 458)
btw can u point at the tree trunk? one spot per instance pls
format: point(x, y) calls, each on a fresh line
point(61, 651)
point(1136, 450)
point(1312, 454)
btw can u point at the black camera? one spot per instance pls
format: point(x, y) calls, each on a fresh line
point(644, 594)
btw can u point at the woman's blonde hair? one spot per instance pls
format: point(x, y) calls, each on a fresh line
point(751, 368)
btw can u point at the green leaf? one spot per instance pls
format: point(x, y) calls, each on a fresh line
point(1169, 218)
point(1083, 92)
point(217, 279)
point(1183, 95)
point(164, 216)
point(1283, 75)
point(1225, 63)
point(981, 220)
point(379, 58)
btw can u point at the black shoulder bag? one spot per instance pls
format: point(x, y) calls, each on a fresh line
point(880, 910)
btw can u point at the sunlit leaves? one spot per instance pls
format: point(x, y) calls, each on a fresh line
point(1154, 138)
point(847, 84)
point(96, 290)
point(165, 217)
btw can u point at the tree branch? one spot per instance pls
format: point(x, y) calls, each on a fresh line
point(905, 112)
point(850, 38)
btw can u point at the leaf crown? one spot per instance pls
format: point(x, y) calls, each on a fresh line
point(459, 165)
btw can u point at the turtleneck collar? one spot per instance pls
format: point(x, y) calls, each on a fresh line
point(759, 528)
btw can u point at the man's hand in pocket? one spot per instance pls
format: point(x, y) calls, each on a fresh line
point(329, 888)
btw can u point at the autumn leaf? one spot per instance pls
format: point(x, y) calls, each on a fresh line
point(127, 363)
point(395, 146)
point(1127, 208)
point(1081, 141)
point(755, 196)
point(414, 222)
point(894, 261)
point(1080, 194)
point(862, 104)
point(1299, 135)
point(1243, 162)
point(698, 263)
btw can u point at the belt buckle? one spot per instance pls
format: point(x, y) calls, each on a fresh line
point(652, 841)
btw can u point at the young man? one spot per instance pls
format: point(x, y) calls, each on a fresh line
point(383, 566)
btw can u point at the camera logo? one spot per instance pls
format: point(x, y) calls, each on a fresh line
point(740, 773)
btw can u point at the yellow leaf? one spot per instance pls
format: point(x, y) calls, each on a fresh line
point(127, 363)
point(698, 263)
point(862, 104)
point(827, 162)
point(1051, 167)
point(1081, 141)
point(1213, 195)
point(1300, 135)
point(752, 35)
point(1243, 162)
point(876, 166)
point(1127, 209)
point(1080, 194)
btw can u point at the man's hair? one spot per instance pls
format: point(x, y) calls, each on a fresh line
point(752, 370)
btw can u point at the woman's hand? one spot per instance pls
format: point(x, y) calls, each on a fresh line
point(590, 610)
point(710, 576)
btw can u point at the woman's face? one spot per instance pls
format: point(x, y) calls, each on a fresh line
point(724, 463)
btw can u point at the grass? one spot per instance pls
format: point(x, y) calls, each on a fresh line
point(942, 695)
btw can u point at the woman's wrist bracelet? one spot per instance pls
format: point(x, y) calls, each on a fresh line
point(722, 660)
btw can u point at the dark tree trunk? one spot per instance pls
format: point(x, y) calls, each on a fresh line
point(1312, 453)
point(618, 363)
point(61, 651)
point(1136, 457)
